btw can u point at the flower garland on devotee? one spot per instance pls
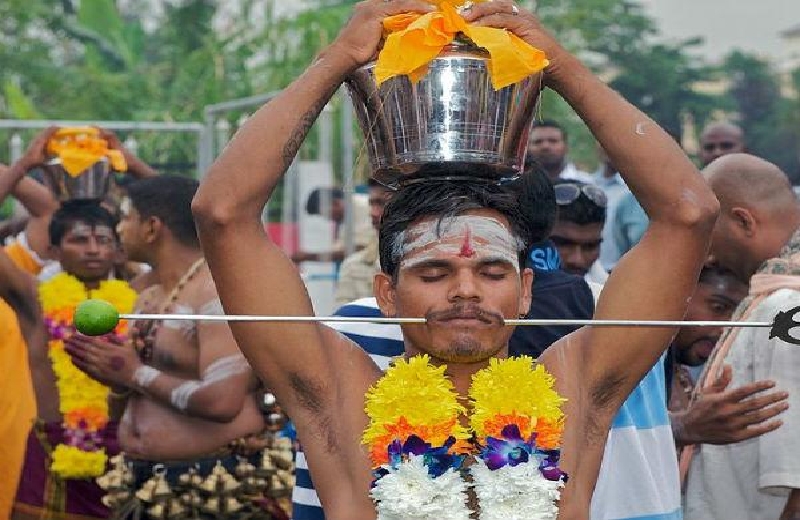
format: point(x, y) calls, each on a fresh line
point(418, 447)
point(82, 400)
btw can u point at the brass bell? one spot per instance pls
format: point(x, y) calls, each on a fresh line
point(109, 501)
point(185, 479)
point(244, 469)
point(266, 462)
point(147, 492)
point(117, 460)
point(162, 489)
point(176, 509)
point(196, 480)
point(229, 484)
point(211, 505)
point(103, 481)
point(232, 505)
point(157, 511)
point(219, 470)
point(209, 485)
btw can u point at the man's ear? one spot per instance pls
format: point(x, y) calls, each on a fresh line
point(526, 297)
point(744, 220)
point(153, 227)
point(383, 288)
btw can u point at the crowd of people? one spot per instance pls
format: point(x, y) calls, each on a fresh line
point(174, 418)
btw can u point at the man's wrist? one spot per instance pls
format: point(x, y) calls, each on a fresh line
point(679, 428)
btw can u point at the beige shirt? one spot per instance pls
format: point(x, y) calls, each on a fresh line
point(753, 479)
point(357, 272)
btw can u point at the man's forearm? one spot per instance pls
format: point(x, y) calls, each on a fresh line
point(244, 176)
point(791, 510)
point(653, 165)
point(194, 397)
point(37, 199)
point(9, 177)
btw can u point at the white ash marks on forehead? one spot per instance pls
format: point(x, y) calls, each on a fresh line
point(462, 235)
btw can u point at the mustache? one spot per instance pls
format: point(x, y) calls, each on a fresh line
point(465, 311)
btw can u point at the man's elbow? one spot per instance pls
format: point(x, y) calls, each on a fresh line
point(697, 210)
point(211, 213)
point(223, 411)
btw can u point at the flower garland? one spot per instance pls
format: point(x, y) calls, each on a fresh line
point(418, 447)
point(82, 400)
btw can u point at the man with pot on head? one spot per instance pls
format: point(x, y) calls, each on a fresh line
point(189, 397)
point(72, 435)
point(449, 252)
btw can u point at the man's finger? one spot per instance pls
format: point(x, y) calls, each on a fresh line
point(762, 401)
point(722, 381)
point(743, 392)
point(403, 6)
point(762, 414)
point(758, 430)
point(485, 9)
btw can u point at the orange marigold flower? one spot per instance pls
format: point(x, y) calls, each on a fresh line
point(548, 433)
point(94, 418)
point(494, 426)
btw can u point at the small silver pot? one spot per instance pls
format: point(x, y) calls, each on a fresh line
point(91, 183)
point(451, 123)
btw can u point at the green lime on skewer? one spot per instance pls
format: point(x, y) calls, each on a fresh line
point(95, 317)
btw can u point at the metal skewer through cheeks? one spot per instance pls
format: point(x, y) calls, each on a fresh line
point(781, 327)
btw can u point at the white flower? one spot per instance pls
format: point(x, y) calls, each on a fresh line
point(515, 493)
point(409, 493)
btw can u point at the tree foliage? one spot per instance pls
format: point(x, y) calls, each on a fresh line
point(124, 60)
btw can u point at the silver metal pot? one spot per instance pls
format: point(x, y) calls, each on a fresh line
point(451, 123)
point(91, 183)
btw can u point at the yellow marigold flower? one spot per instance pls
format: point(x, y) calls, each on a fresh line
point(419, 394)
point(61, 292)
point(71, 462)
point(512, 387)
point(117, 293)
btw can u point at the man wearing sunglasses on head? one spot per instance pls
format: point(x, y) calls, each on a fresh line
point(718, 139)
point(578, 231)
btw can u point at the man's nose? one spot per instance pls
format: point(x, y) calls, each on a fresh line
point(465, 286)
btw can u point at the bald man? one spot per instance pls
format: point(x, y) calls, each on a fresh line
point(718, 139)
point(757, 237)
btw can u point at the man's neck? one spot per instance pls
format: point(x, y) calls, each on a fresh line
point(554, 172)
point(170, 263)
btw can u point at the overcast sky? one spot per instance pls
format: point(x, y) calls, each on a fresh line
point(727, 24)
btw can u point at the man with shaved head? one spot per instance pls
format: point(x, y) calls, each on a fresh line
point(757, 237)
point(718, 139)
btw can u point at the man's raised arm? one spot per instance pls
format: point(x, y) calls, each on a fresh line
point(655, 280)
point(252, 275)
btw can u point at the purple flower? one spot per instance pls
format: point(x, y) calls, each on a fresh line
point(548, 465)
point(438, 460)
point(510, 450)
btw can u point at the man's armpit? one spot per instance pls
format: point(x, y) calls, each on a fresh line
point(315, 398)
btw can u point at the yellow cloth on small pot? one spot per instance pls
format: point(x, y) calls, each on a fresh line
point(414, 40)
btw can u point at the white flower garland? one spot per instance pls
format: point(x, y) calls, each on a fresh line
point(515, 492)
point(410, 493)
point(509, 493)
